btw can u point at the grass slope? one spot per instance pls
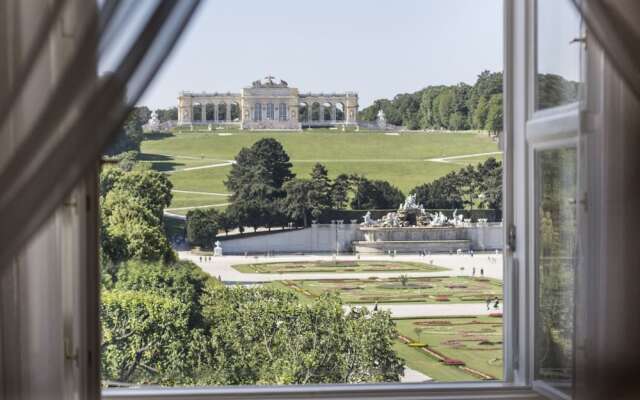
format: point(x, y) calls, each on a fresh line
point(399, 159)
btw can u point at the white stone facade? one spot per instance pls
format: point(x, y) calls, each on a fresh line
point(268, 105)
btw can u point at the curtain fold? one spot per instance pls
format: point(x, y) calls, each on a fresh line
point(114, 57)
point(616, 26)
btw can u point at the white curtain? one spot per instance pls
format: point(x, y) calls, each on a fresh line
point(616, 25)
point(114, 55)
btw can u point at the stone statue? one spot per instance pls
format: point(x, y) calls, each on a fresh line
point(381, 119)
point(368, 221)
point(217, 251)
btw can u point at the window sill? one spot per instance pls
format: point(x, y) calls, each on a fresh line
point(432, 391)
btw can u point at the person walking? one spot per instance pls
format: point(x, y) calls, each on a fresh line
point(473, 271)
point(488, 303)
point(497, 303)
point(481, 271)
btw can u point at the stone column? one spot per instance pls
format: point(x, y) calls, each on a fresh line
point(228, 116)
point(321, 112)
point(215, 112)
point(333, 113)
point(204, 112)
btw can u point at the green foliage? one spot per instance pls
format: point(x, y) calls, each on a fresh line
point(553, 90)
point(265, 336)
point(182, 280)
point(320, 190)
point(168, 114)
point(340, 190)
point(203, 226)
point(375, 194)
point(297, 204)
point(146, 339)
point(131, 210)
point(479, 186)
point(131, 136)
point(456, 107)
point(256, 181)
point(494, 114)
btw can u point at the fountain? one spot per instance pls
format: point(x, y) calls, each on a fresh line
point(411, 229)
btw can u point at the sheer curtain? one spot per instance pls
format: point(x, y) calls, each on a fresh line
point(109, 59)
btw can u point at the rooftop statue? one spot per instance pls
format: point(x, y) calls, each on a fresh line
point(268, 82)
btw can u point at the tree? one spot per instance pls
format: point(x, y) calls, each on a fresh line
point(168, 114)
point(145, 339)
point(131, 135)
point(266, 336)
point(202, 227)
point(480, 114)
point(296, 203)
point(494, 114)
point(256, 180)
point(131, 230)
point(320, 191)
point(151, 188)
point(182, 280)
point(340, 190)
point(376, 195)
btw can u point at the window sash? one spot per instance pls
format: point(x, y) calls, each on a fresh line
point(430, 391)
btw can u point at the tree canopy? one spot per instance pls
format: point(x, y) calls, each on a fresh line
point(455, 107)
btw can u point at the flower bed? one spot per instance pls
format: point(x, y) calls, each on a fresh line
point(453, 361)
point(496, 315)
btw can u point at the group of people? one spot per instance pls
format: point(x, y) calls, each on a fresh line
point(495, 301)
point(206, 258)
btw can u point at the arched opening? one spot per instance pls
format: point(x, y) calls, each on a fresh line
point(271, 114)
point(222, 112)
point(283, 112)
point(235, 111)
point(327, 111)
point(339, 112)
point(210, 113)
point(315, 112)
point(257, 112)
point(197, 112)
point(303, 112)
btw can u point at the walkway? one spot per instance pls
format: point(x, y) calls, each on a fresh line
point(449, 159)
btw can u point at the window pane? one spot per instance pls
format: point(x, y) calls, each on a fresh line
point(556, 226)
point(558, 55)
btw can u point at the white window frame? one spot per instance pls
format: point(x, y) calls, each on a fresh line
point(551, 128)
point(517, 299)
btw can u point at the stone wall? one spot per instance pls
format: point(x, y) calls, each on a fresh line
point(322, 238)
point(319, 238)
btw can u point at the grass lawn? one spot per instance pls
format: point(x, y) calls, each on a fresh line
point(458, 289)
point(476, 341)
point(400, 159)
point(337, 266)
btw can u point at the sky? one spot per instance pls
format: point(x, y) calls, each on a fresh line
point(374, 47)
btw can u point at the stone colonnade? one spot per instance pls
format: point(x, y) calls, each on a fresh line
point(187, 103)
point(349, 111)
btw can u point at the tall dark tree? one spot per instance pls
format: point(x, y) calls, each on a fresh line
point(296, 204)
point(256, 180)
point(320, 191)
point(202, 227)
point(340, 190)
point(375, 194)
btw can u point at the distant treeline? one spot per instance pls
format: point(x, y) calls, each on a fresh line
point(462, 106)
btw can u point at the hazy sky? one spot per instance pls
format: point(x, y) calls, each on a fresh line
point(376, 48)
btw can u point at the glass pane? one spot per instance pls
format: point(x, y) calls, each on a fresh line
point(556, 225)
point(558, 54)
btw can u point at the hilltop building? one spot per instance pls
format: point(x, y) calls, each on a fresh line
point(268, 104)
